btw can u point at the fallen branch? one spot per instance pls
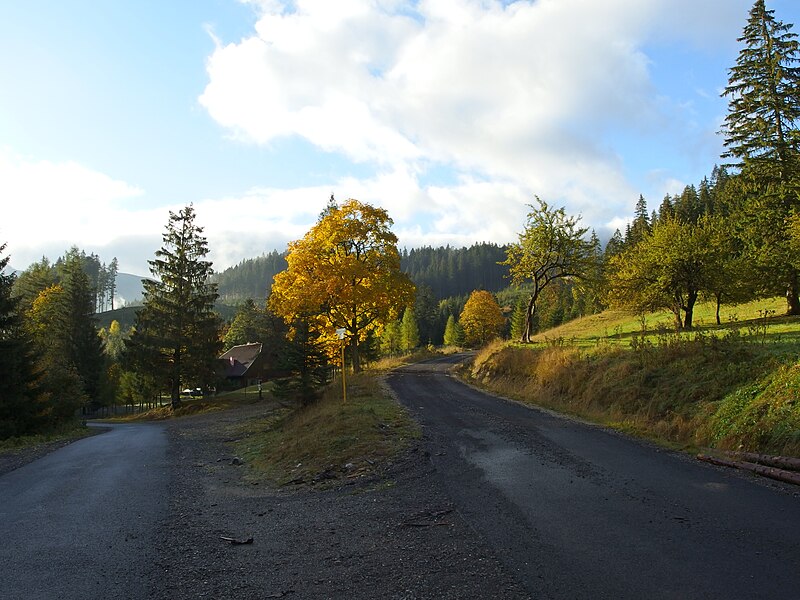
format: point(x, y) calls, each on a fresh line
point(781, 462)
point(235, 542)
point(771, 472)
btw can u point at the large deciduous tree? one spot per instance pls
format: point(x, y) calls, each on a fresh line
point(176, 335)
point(666, 270)
point(762, 139)
point(552, 246)
point(345, 273)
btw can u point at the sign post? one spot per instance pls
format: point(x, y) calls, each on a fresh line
point(341, 333)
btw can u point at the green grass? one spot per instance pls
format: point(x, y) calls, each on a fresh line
point(617, 327)
point(733, 386)
point(331, 438)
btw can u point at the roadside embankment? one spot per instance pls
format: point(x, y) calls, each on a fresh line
point(685, 392)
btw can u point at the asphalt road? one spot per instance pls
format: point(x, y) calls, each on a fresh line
point(82, 521)
point(576, 511)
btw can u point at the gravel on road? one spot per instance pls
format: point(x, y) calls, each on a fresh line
point(395, 536)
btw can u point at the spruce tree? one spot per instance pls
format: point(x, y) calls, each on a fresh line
point(176, 335)
point(305, 358)
point(764, 99)
point(762, 139)
point(453, 333)
point(82, 345)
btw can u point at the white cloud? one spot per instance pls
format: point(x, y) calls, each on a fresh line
point(524, 97)
point(508, 99)
point(58, 203)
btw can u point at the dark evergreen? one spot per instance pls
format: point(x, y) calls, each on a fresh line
point(425, 310)
point(457, 271)
point(641, 224)
point(82, 345)
point(764, 99)
point(306, 359)
point(762, 140)
point(20, 411)
point(176, 336)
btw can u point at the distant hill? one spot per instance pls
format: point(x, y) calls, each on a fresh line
point(251, 278)
point(453, 272)
point(129, 290)
point(447, 271)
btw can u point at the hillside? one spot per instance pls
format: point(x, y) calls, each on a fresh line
point(448, 272)
point(733, 386)
point(129, 290)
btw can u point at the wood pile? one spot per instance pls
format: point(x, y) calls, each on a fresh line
point(782, 468)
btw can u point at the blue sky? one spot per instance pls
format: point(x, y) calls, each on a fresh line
point(451, 114)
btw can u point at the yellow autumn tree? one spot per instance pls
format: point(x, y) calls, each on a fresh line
point(481, 319)
point(344, 274)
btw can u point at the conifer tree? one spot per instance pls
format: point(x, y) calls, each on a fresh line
point(176, 335)
point(82, 345)
point(391, 337)
point(762, 139)
point(18, 384)
point(409, 330)
point(641, 224)
point(453, 333)
point(764, 99)
point(306, 359)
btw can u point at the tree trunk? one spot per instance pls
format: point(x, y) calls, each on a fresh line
point(719, 303)
point(356, 357)
point(175, 393)
point(793, 296)
point(689, 309)
point(175, 381)
point(529, 314)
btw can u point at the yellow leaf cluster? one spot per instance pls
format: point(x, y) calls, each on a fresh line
point(344, 273)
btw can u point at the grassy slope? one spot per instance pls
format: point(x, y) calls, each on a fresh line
point(734, 386)
point(329, 440)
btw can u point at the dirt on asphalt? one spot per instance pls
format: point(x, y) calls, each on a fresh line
point(392, 536)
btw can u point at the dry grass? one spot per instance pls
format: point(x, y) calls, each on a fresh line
point(330, 440)
point(670, 390)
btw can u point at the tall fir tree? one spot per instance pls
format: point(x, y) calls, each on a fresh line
point(764, 99)
point(762, 140)
point(641, 224)
point(454, 334)
point(176, 336)
point(84, 345)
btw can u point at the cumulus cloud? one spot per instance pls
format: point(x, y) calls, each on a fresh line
point(509, 99)
point(60, 203)
point(515, 98)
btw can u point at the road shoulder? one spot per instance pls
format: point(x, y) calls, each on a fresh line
point(398, 535)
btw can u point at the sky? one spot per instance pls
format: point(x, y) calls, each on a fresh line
point(450, 114)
